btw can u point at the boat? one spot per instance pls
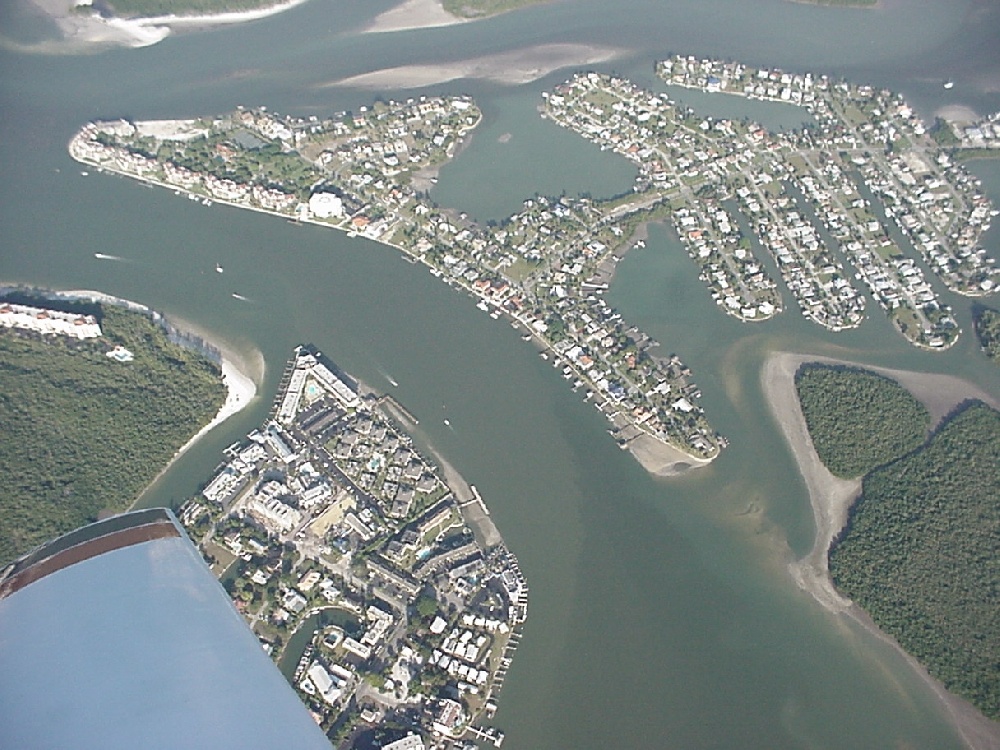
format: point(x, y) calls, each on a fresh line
point(218, 268)
point(949, 84)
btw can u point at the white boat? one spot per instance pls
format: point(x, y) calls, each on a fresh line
point(218, 268)
point(949, 84)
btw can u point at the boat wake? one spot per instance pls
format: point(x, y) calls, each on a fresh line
point(105, 256)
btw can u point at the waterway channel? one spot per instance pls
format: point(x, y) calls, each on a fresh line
point(662, 612)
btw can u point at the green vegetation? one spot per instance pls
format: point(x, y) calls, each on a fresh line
point(942, 133)
point(987, 323)
point(483, 8)
point(920, 554)
point(967, 154)
point(858, 420)
point(145, 8)
point(83, 433)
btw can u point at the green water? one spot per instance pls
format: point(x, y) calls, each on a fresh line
point(661, 611)
point(303, 636)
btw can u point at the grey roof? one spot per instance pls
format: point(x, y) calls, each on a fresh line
point(121, 637)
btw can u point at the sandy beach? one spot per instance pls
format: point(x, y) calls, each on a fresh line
point(831, 499)
point(663, 460)
point(508, 68)
point(240, 372)
point(413, 14)
point(81, 30)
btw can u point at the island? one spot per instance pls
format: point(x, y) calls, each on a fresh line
point(373, 576)
point(906, 528)
point(97, 399)
point(917, 551)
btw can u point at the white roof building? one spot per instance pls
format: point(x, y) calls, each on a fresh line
point(326, 205)
point(410, 742)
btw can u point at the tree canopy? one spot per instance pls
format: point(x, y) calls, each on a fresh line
point(921, 554)
point(987, 323)
point(84, 433)
point(857, 419)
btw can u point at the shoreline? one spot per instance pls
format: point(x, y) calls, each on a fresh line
point(240, 375)
point(467, 499)
point(656, 456)
point(413, 14)
point(832, 497)
point(513, 68)
point(93, 29)
point(662, 459)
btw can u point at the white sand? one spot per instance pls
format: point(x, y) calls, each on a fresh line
point(413, 14)
point(663, 460)
point(831, 499)
point(510, 68)
point(240, 392)
point(82, 30)
point(958, 113)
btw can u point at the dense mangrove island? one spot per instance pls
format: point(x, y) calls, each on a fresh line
point(918, 552)
point(95, 400)
point(858, 420)
point(987, 322)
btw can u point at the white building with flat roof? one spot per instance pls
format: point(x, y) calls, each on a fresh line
point(49, 322)
point(410, 742)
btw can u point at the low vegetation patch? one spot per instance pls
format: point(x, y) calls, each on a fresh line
point(482, 8)
point(857, 419)
point(987, 323)
point(146, 8)
point(83, 433)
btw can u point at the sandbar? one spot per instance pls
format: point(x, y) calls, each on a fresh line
point(831, 498)
point(413, 14)
point(509, 68)
point(661, 459)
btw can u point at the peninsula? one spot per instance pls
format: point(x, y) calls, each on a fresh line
point(863, 195)
point(546, 268)
point(375, 579)
point(829, 187)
